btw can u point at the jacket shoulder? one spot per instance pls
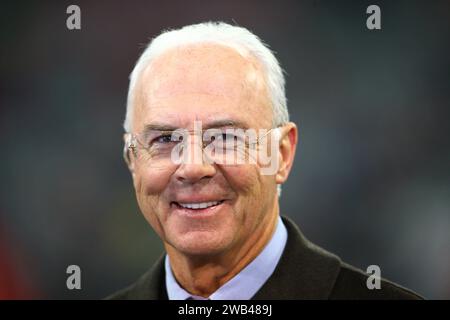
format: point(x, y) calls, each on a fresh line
point(123, 294)
point(351, 283)
point(306, 271)
point(150, 286)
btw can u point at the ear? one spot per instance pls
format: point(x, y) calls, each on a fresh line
point(287, 147)
point(127, 154)
point(131, 164)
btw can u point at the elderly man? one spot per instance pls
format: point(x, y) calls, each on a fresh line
point(208, 143)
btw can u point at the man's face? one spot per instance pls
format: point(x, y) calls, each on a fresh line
point(212, 84)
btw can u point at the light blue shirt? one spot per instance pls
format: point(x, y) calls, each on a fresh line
point(247, 282)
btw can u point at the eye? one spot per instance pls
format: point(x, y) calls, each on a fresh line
point(163, 139)
point(166, 139)
point(229, 137)
point(225, 137)
point(226, 140)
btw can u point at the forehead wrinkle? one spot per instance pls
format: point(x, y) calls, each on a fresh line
point(210, 122)
point(213, 69)
point(245, 85)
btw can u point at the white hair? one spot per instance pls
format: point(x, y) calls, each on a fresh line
point(237, 38)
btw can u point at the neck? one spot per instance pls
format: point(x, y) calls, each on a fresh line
point(202, 276)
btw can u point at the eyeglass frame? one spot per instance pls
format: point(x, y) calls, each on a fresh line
point(130, 139)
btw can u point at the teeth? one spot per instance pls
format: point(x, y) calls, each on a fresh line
point(201, 205)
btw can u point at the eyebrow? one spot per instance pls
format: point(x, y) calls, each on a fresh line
point(159, 127)
point(225, 123)
point(208, 125)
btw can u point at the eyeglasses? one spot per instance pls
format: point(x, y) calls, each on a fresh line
point(224, 146)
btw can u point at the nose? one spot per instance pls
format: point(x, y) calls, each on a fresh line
point(194, 167)
point(191, 172)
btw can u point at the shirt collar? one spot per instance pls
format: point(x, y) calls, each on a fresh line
point(247, 282)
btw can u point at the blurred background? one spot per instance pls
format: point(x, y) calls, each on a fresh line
point(371, 181)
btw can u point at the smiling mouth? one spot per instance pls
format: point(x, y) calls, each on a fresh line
point(198, 205)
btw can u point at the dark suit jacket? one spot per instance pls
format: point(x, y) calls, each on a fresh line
point(305, 271)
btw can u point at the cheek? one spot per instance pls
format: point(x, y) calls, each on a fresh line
point(241, 178)
point(254, 196)
point(255, 191)
point(149, 185)
point(244, 180)
point(148, 182)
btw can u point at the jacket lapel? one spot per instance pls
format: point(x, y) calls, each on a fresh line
point(305, 271)
point(152, 284)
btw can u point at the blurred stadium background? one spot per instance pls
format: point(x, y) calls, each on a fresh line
point(372, 175)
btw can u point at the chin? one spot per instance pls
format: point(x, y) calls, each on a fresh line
point(202, 243)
